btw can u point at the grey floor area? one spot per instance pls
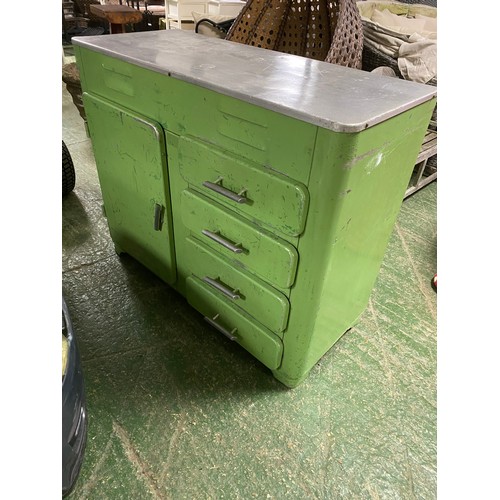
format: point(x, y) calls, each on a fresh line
point(176, 411)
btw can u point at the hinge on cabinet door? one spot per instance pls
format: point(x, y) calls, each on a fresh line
point(87, 131)
point(158, 217)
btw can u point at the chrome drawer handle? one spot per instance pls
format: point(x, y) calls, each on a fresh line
point(219, 286)
point(222, 241)
point(230, 335)
point(214, 186)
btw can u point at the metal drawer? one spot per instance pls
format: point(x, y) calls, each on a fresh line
point(245, 244)
point(235, 324)
point(266, 196)
point(251, 294)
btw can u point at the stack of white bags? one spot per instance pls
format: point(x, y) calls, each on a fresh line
point(405, 32)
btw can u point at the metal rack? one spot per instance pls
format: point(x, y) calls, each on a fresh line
point(421, 175)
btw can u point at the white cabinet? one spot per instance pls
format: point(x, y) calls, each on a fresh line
point(178, 13)
point(225, 7)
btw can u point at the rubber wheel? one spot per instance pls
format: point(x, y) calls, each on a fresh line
point(68, 171)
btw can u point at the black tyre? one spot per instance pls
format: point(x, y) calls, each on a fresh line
point(68, 171)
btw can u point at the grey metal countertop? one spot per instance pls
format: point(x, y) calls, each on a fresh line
point(330, 96)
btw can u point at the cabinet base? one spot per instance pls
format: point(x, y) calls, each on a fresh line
point(119, 250)
point(289, 382)
point(293, 381)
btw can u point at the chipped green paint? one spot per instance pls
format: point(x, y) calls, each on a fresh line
point(178, 412)
point(321, 207)
point(357, 197)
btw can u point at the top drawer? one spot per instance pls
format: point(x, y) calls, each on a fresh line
point(244, 186)
point(265, 196)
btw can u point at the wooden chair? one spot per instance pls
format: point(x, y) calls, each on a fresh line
point(71, 20)
point(152, 11)
point(82, 7)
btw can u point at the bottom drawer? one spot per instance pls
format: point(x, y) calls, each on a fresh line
point(237, 325)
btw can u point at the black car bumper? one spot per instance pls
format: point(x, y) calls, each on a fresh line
point(74, 413)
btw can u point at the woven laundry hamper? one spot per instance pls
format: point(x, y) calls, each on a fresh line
point(326, 30)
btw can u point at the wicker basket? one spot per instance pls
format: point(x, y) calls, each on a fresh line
point(71, 77)
point(326, 30)
point(373, 57)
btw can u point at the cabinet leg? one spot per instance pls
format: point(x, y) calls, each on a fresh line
point(119, 250)
point(291, 383)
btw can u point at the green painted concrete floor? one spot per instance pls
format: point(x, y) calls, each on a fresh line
point(177, 411)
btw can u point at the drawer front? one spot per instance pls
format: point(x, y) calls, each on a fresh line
point(257, 298)
point(238, 326)
point(244, 243)
point(266, 196)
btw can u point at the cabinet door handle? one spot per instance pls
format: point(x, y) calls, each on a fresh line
point(222, 241)
point(158, 217)
point(229, 334)
point(219, 286)
point(238, 198)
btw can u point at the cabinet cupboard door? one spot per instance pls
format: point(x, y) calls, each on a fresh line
point(131, 163)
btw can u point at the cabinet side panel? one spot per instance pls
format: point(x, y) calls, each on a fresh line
point(357, 186)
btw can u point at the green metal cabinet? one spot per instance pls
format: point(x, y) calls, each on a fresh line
point(262, 186)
